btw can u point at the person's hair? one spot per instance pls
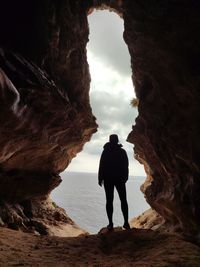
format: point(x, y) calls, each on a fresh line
point(113, 138)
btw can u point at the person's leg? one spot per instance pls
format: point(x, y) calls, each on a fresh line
point(109, 190)
point(121, 189)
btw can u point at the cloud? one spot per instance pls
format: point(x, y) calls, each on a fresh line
point(106, 35)
point(110, 98)
point(111, 91)
point(112, 110)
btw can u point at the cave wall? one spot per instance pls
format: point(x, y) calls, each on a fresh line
point(45, 113)
point(45, 116)
point(163, 41)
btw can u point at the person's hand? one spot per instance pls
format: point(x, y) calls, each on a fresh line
point(100, 183)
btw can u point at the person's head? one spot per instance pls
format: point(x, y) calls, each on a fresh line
point(113, 139)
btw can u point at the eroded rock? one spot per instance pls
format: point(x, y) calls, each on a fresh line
point(149, 219)
point(45, 112)
point(163, 40)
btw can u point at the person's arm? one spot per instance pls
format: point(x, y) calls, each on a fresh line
point(100, 172)
point(126, 168)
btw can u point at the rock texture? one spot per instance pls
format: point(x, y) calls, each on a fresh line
point(149, 219)
point(138, 248)
point(45, 112)
point(163, 40)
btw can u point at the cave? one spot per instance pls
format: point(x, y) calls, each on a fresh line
point(46, 116)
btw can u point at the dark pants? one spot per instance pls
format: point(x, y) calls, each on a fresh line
point(109, 190)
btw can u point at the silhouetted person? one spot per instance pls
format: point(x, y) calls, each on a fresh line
point(113, 172)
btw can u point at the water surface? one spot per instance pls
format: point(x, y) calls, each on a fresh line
point(84, 200)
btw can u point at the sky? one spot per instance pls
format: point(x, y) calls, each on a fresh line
point(111, 91)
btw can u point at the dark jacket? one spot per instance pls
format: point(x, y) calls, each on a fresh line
point(113, 166)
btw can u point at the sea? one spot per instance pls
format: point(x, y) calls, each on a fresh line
point(84, 200)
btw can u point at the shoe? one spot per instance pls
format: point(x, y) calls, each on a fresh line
point(126, 226)
point(110, 226)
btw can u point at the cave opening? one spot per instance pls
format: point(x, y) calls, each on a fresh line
point(46, 116)
point(111, 91)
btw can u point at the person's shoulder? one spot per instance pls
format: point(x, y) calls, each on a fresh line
point(123, 150)
point(107, 145)
point(120, 146)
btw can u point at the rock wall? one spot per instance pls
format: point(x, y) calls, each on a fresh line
point(163, 40)
point(45, 112)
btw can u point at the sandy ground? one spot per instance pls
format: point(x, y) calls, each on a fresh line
point(118, 248)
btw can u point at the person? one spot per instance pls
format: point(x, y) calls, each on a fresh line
point(113, 173)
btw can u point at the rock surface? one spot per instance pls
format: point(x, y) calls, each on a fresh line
point(38, 216)
point(44, 85)
point(163, 40)
point(138, 248)
point(149, 219)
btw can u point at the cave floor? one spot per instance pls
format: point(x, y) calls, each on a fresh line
point(119, 248)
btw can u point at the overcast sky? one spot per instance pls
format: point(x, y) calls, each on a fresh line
point(110, 93)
